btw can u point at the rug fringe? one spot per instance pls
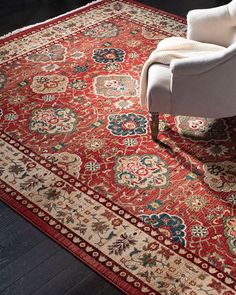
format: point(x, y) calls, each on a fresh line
point(47, 21)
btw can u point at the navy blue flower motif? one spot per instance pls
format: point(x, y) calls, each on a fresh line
point(127, 124)
point(81, 69)
point(106, 55)
point(171, 226)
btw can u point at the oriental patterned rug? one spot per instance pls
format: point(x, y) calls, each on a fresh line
point(78, 162)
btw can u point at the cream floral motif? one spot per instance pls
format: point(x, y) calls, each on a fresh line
point(55, 52)
point(121, 240)
point(205, 129)
point(11, 117)
point(124, 104)
point(115, 85)
point(217, 150)
point(133, 43)
point(199, 231)
point(230, 232)
point(92, 166)
point(111, 67)
point(77, 54)
point(16, 100)
point(141, 171)
point(130, 142)
point(49, 84)
point(48, 97)
point(105, 30)
point(53, 121)
point(95, 144)
point(69, 162)
point(220, 176)
point(149, 34)
point(50, 67)
point(196, 203)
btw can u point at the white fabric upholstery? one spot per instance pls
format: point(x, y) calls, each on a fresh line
point(201, 85)
point(213, 25)
point(158, 90)
point(171, 49)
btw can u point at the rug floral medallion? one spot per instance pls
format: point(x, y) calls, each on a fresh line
point(77, 159)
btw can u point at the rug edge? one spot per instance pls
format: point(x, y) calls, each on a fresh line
point(26, 28)
point(12, 34)
point(172, 15)
point(80, 254)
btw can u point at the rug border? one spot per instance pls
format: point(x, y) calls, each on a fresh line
point(69, 246)
point(172, 15)
point(36, 26)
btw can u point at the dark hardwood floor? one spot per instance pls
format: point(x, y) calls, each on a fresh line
point(31, 263)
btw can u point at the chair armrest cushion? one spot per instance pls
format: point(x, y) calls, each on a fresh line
point(202, 63)
point(205, 88)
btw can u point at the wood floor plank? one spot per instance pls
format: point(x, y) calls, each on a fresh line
point(111, 290)
point(3, 206)
point(93, 284)
point(10, 230)
point(75, 273)
point(11, 249)
point(7, 218)
point(27, 262)
point(38, 276)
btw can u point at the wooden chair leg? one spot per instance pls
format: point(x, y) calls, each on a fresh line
point(154, 125)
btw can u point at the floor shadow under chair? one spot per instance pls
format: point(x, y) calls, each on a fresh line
point(214, 134)
point(193, 161)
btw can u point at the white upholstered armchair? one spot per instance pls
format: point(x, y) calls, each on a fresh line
point(199, 82)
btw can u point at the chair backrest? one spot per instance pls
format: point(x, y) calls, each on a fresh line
point(215, 25)
point(231, 23)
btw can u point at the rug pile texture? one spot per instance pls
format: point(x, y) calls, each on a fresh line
point(77, 160)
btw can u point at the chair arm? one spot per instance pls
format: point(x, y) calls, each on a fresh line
point(210, 25)
point(205, 87)
point(202, 63)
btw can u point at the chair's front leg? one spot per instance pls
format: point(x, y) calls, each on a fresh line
point(154, 125)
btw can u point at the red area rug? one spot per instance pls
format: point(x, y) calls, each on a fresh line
point(77, 159)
